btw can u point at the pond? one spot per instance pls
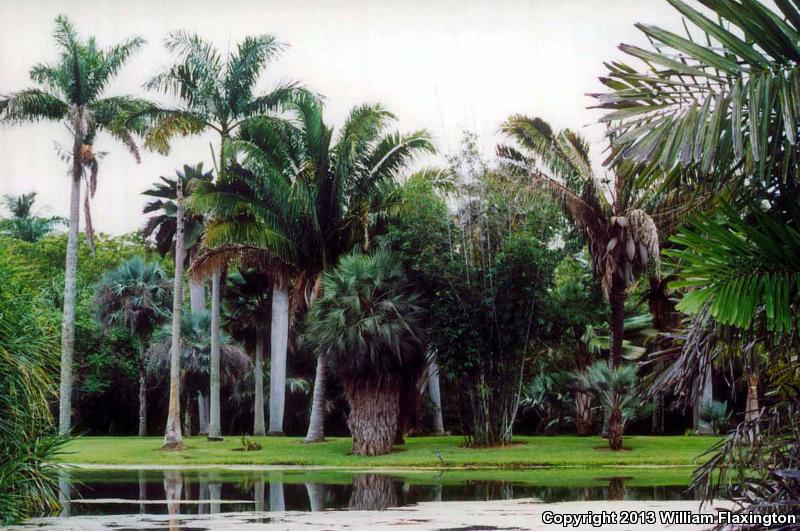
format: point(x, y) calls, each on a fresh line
point(209, 491)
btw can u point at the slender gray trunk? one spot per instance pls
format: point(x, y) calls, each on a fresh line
point(276, 500)
point(197, 295)
point(215, 495)
point(64, 492)
point(70, 274)
point(706, 428)
point(142, 491)
point(436, 398)
point(258, 495)
point(172, 433)
point(258, 406)
point(316, 423)
point(214, 421)
point(142, 392)
point(278, 345)
point(202, 414)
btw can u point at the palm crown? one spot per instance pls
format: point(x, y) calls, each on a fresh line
point(214, 92)
point(23, 223)
point(301, 196)
point(367, 321)
point(135, 295)
point(162, 226)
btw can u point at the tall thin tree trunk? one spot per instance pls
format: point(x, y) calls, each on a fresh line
point(172, 433)
point(316, 423)
point(316, 496)
point(278, 345)
point(258, 405)
point(436, 398)
point(705, 399)
point(202, 414)
point(197, 295)
point(70, 274)
point(583, 400)
point(64, 492)
point(616, 299)
point(276, 497)
point(615, 429)
point(142, 392)
point(214, 421)
point(751, 412)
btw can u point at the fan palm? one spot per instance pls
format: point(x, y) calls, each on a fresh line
point(135, 295)
point(162, 225)
point(195, 355)
point(615, 389)
point(23, 224)
point(248, 303)
point(72, 92)
point(218, 94)
point(622, 238)
point(368, 323)
point(301, 199)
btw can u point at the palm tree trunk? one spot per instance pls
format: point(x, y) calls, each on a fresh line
point(583, 413)
point(436, 398)
point(705, 398)
point(172, 433)
point(142, 392)
point(616, 298)
point(278, 345)
point(202, 414)
point(70, 274)
point(276, 497)
point(214, 421)
point(197, 295)
point(373, 416)
point(258, 406)
point(316, 422)
point(615, 429)
point(751, 412)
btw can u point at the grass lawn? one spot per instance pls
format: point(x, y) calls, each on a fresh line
point(417, 452)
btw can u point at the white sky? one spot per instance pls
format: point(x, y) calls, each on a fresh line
point(444, 65)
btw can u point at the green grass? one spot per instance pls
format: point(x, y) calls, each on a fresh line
point(417, 452)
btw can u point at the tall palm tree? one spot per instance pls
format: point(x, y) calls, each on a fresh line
point(23, 223)
point(135, 295)
point(215, 93)
point(368, 323)
point(162, 225)
point(306, 197)
point(173, 439)
point(623, 239)
point(72, 92)
point(247, 318)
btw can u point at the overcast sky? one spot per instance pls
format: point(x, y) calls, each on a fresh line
point(437, 64)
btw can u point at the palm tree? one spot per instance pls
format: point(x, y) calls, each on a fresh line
point(161, 226)
point(248, 305)
point(623, 239)
point(218, 94)
point(72, 92)
point(135, 295)
point(23, 224)
point(301, 199)
point(195, 356)
point(368, 323)
point(615, 389)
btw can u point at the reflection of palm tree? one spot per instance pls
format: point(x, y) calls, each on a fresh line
point(373, 492)
point(616, 488)
point(316, 496)
point(276, 499)
point(173, 487)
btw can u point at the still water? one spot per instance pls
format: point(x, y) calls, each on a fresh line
point(210, 491)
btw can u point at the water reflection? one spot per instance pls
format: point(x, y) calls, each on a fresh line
point(204, 491)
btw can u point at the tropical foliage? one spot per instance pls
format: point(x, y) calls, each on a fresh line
point(23, 224)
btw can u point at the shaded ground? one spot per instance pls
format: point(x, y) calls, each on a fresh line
point(417, 452)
